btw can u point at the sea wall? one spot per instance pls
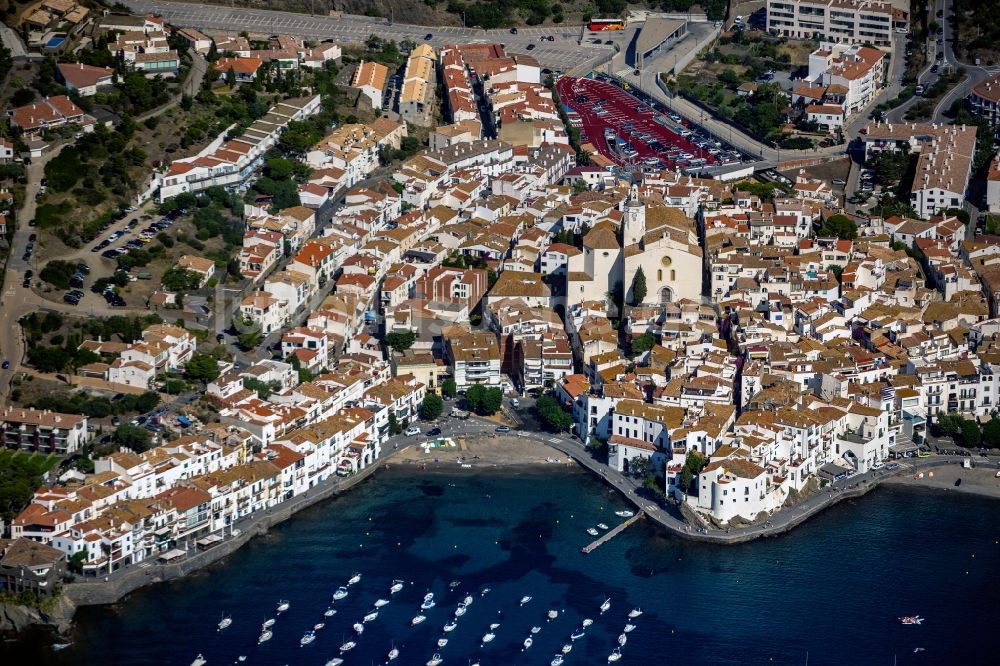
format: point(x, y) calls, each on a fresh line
point(96, 592)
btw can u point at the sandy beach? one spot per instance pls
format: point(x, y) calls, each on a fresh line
point(976, 481)
point(484, 452)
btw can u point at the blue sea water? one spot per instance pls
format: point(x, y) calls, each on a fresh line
point(831, 589)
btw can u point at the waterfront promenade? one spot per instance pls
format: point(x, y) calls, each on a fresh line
point(113, 587)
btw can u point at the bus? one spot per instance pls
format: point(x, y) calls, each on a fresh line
point(606, 24)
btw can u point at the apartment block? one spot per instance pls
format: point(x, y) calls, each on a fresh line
point(850, 21)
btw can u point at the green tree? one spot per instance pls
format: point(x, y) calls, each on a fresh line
point(552, 414)
point(230, 78)
point(133, 437)
point(400, 341)
point(970, 435)
point(58, 273)
point(484, 400)
point(394, 427)
point(991, 434)
point(693, 464)
point(642, 344)
point(250, 339)
point(449, 388)
point(431, 407)
point(202, 367)
point(840, 226)
point(639, 287)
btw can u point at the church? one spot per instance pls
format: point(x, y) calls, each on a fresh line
point(660, 240)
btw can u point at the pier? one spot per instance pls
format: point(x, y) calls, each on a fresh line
point(611, 534)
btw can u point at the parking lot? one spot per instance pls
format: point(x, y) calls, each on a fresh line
point(632, 132)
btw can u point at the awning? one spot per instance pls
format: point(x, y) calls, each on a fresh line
point(210, 540)
point(903, 447)
point(171, 555)
point(832, 472)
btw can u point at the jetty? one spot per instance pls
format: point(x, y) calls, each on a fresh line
point(608, 536)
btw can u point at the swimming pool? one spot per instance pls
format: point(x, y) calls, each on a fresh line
point(55, 41)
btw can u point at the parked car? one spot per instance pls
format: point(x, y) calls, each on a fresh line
point(434, 432)
point(502, 428)
point(412, 430)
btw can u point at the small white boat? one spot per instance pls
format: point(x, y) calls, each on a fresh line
point(552, 614)
point(577, 634)
point(525, 599)
point(397, 586)
point(528, 643)
point(591, 531)
point(495, 625)
point(605, 606)
point(450, 626)
point(557, 660)
point(355, 579)
point(318, 626)
point(634, 613)
point(587, 622)
point(283, 606)
point(624, 513)
point(308, 638)
point(241, 658)
point(60, 646)
point(393, 654)
point(535, 630)
point(429, 604)
point(485, 591)
point(615, 656)
point(336, 661)
point(264, 637)
point(460, 611)
point(225, 622)
point(199, 661)
point(622, 638)
point(567, 648)
point(629, 628)
point(348, 646)
point(602, 526)
point(371, 616)
point(359, 628)
point(468, 600)
point(329, 612)
point(340, 593)
point(380, 602)
point(429, 596)
point(268, 623)
point(489, 636)
point(417, 620)
point(455, 583)
point(435, 660)
point(442, 642)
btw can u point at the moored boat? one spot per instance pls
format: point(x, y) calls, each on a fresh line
point(225, 622)
point(587, 622)
point(591, 531)
point(307, 638)
point(625, 513)
point(417, 620)
point(468, 600)
point(451, 625)
point(634, 613)
point(348, 646)
point(525, 599)
point(488, 636)
point(318, 626)
point(283, 606)
point(911, 619)
point(567, 648)
point(264, 637)
point(199, 661)
point(340, 593)
point(605, 606)
point(460, 611)
point(371, 616)
point(355, 579)
point(435, 660)
point(556, 661)
point(428, 604)
point(393, 654)
point(397, 586)
point(527, 643)
point(336, 661)
point(576, 635)
point(442, 642)
point(535, 630)
point(552, 614)
point(602, 526)
point(629, 628)
point(380, 602)
point(359, 628)
point(622, 638)
point(615, 656)
point(329, 612)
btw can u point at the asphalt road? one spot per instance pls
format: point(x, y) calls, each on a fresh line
point(563, 53)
